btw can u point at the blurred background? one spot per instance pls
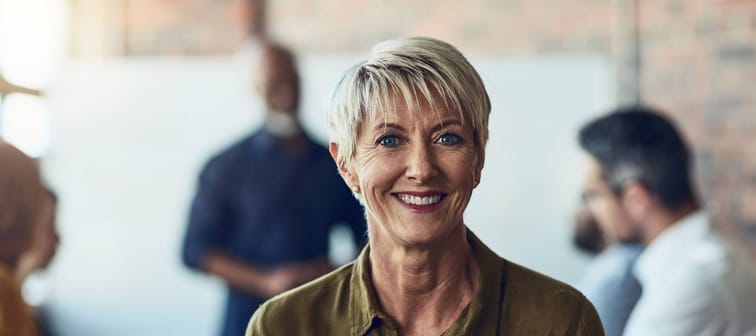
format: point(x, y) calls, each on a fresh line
point(137, 94)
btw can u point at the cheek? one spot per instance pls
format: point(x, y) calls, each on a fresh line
point(377, 170)
point(610, 216)
point(602, 213)
point(462, 167)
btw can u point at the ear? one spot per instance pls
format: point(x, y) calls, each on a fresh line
point(480, 159)
point(637, 200)
point(347, 174)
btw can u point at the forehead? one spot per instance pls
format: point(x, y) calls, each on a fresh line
point(592, 173)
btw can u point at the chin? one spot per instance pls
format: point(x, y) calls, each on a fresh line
point(426, 236)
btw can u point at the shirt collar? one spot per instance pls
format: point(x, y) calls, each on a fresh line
point(484, 311)
point(664, 252)
point(265, 141)
point(362, 298)
point(480, 318)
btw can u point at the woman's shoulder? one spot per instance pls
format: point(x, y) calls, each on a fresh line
point(309, 309)
point(518, 282)
point(530, 289)
point(529, 294)
point(529, 282)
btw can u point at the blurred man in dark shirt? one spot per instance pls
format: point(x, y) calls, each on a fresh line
point(264, 207)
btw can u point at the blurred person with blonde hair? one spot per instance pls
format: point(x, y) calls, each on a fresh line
point(409, 126)
point(21, 197)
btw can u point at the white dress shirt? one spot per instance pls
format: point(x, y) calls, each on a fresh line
point(693, 283)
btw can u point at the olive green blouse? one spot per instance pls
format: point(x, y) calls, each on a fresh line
point(512, 300)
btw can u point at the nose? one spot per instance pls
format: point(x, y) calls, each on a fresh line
point(421, 165)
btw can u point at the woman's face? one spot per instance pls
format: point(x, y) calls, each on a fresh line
point(415, 172)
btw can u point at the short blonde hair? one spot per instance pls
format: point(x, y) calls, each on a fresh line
point(407, 67)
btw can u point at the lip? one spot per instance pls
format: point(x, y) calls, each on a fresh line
point(420, 208)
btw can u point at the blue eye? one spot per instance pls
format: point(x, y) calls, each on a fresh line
point(389, 140)
point(449, 139)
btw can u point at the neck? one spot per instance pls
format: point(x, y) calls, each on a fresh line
point(424, 289)
point(664, 219)
point(295, 143)
point(283, 125)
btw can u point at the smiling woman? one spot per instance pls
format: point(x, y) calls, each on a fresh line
point(409, 127)
point(415, 172)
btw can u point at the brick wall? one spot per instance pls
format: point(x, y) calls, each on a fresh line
point(697, 58)
point(482, 26)
point(191, 27)
point(180, 27)
point(698, 62)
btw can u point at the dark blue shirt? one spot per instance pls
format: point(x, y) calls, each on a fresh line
point(611, 286)
point(265, 206)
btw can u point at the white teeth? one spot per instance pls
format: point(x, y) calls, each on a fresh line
point(417, 200)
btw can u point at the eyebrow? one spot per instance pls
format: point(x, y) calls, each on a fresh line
point(445, 123)
point(383, 126)
point(440, 125)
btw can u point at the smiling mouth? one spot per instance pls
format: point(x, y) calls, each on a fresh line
point(420, 200)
